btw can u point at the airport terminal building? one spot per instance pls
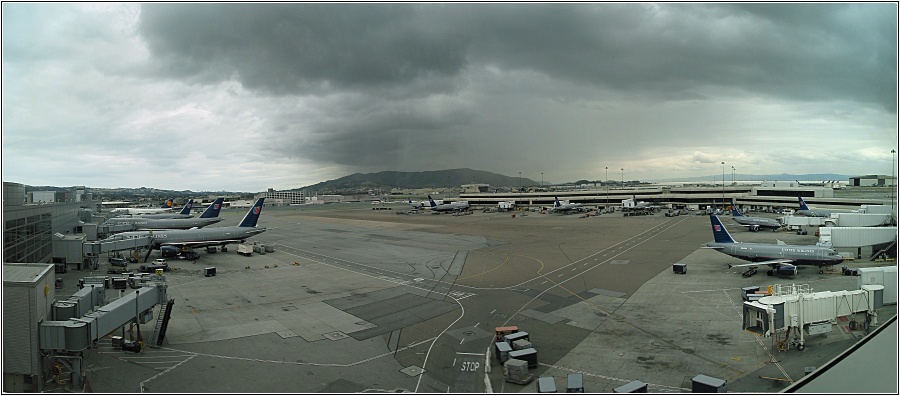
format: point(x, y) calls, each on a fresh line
point(28, 228)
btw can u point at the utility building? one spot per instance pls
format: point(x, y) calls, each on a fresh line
point(282, 198)
point(28, 292)
point(873, 181)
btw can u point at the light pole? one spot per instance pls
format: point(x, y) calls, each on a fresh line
point(607, 188)
point(894, 187)
point(732, 175)
point(623, 177)
point(723, 183)
point(542, 180)
point(520, 186)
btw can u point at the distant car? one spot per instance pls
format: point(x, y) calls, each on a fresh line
point(160, 261)
point(117, 262)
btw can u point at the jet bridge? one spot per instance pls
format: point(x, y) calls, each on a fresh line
point(795, 308)
point(77, 325)
point(96, 248)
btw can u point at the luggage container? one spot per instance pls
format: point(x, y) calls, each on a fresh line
point(521, 344)
point(632, 387)
point(120, 283)
point(516, 371)
point(546, 385)
point(500, 332)
point(501, 351)
point(209, 271)
point(748, 290)
point(706, 384)
point(510, 338)
point(679, 268)
point(529, 355)
point(575, 383)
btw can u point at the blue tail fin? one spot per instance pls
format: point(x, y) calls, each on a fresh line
point(734, 210)
point(169, 203)
point(187, 207)
point(431, 202)
point(213, 210)
point(802, 204)
point(252, 215)
point(719, 232)
point(556, 202)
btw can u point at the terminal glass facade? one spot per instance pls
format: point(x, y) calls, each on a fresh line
point(28, 239)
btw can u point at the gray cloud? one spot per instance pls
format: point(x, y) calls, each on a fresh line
point(283, 95)
point(669, 49)
point(299, 48)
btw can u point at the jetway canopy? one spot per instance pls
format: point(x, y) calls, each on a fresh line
point(850, 237)
point(78, 334)
point(96, 248)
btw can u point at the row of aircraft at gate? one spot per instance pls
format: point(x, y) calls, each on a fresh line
point(783, 259)
point(200, 237)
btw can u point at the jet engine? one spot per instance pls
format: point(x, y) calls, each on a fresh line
point(169, 251)
point(784, 270)
point(754, 228)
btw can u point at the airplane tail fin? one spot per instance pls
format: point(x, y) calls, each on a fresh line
point(252, 215)
point(213, 209)
point(187, 207)
point(169, 203)
point(431, 202)
point(734, 210)
point(720, 234)
point(802, 204)
point(556, 202)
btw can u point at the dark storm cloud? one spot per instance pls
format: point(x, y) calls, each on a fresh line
point(299, 48)
point(401, 86)
point(782, 50)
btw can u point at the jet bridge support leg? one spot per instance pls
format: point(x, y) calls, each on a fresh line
point(73, 363)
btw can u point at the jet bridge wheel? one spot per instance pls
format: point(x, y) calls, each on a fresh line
point(801, 346)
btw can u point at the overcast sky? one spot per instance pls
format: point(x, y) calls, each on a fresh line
point(244, 97)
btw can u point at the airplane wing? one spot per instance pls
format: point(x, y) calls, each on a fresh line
point(770, 263)
point(202, 243)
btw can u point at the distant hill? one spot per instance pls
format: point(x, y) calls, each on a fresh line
point(426, 179)
point(778, 177)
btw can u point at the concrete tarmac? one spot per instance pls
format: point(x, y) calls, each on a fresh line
point(362, 300)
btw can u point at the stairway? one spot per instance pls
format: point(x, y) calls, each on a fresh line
point(162, 322)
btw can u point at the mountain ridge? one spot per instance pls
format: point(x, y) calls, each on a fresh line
point(422, 179)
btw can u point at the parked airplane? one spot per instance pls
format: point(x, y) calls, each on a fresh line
point(166, 207)
point(416, 205)
point(783, 259)
point(458, 206)
point(559, 207)
point(806, 211)
point(634, 205)
point(753, 223)
point(183, 239)
point(209, 216)
point(183, 214)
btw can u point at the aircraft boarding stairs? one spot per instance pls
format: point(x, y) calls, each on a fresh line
point(162, 323)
